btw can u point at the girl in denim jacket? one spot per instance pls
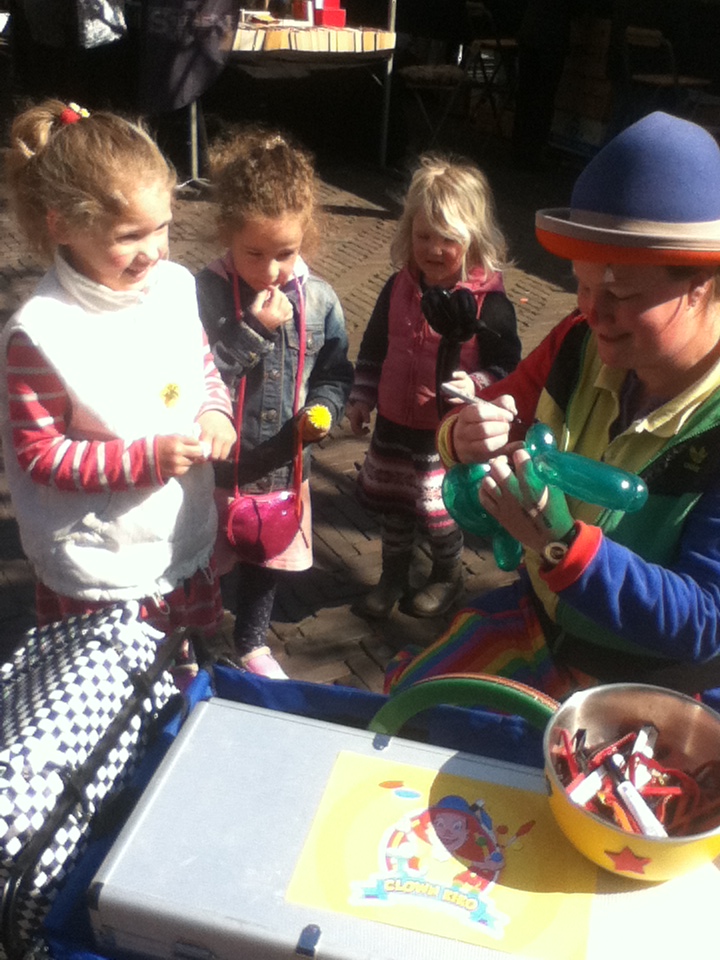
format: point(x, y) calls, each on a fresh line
point(250, 302)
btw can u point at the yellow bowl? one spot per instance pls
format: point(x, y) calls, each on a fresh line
point(688, 735)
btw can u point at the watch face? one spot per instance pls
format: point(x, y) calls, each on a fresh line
point(555, 552)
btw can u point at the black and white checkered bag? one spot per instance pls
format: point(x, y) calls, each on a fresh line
point(78, 701)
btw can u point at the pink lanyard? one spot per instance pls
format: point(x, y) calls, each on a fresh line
point(297, 460)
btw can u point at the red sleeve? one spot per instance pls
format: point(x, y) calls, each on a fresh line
point(582, 551)
point(216, 393)
point(527, 380)
point(39, 407)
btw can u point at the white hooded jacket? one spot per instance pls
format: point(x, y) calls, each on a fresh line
point(132, 365)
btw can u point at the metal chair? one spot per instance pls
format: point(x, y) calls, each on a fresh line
point(491, 63)
point(438, 91)
point(649, 64)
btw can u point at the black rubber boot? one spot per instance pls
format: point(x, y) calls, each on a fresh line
point(394, 583)
point(444, 586)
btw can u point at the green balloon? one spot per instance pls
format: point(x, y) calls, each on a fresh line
point(589, 480)
point(507, 550)
point(580, 477)
point(461, 491)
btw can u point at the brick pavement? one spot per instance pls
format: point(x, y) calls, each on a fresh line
point(314, 633)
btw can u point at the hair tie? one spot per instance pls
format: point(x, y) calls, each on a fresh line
point(72, 113)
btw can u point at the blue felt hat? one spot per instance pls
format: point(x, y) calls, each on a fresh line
point(651, 195)
point(452, 802)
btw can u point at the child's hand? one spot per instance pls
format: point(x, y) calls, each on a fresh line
point(358, 413)
point(461, 381)
point(314, 423)
point(272, 308)
point(217, 434)
point(176, 454)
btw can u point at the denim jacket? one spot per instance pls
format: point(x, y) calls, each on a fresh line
point(269, 361)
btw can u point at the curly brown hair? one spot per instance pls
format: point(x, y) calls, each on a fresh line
point(259, 173)
point(85, 171)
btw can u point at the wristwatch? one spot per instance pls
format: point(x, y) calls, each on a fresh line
point(555, 552)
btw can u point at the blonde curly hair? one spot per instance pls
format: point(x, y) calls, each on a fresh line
point(84, 171)
point(456, 199)
point(259, 173)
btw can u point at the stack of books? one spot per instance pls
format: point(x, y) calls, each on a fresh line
point(296, 35)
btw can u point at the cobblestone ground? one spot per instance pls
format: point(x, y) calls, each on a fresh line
point(315, 635)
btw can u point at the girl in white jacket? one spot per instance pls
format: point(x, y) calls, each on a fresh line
point(111, 406)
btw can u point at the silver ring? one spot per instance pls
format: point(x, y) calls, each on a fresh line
point(533, 512)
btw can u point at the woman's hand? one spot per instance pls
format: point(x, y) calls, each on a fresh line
point(358, 413)
point(482, 429)
point(217, 433)
point(532, 512)
point(272, 308)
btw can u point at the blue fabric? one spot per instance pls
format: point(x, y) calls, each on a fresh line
point(667, 612)
point(630, 176)
point(67, 927)
point(456, 728)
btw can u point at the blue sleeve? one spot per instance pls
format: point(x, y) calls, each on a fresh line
point(331, 377)
point(671, 612)
point(236, 347)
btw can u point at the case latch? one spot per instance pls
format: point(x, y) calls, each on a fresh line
point(308, 941)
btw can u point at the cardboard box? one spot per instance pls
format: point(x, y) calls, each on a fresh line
point(585, 96)
point(577, 134)
point(589, 47)
point(303, 10)
point(330, 18)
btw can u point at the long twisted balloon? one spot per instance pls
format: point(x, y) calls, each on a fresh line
point(580, 477)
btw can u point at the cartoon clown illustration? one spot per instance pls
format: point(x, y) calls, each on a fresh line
point(448, 854)
point(449, 828)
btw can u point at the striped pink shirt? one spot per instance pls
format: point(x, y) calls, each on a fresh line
point(39, 409)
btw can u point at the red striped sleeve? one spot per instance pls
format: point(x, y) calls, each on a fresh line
point(39, 408)
point(216, 393)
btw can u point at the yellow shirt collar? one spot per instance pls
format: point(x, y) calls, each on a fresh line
point(669, 418)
